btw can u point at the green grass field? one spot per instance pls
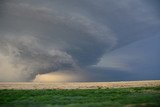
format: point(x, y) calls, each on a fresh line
point(117, 97)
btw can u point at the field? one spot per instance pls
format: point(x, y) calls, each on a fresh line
point(77, 85)
point(129, 96)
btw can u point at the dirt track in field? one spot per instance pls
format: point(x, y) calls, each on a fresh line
point(78, 85)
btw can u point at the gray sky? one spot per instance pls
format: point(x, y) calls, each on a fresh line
point(94, 40)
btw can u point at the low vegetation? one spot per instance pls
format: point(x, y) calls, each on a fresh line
point(129, 97)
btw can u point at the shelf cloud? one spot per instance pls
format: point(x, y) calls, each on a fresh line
point(43, 36)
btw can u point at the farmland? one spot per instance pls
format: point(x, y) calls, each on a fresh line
point(77, 85)
point(129, 96)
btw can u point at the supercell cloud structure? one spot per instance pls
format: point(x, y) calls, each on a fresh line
point(96, 40)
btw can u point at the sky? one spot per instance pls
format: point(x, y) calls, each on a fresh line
point(79, 40)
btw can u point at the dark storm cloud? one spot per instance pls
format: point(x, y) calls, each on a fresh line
point(139, 60)
point(41, 36)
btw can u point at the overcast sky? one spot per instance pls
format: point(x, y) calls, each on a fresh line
point(83, 40)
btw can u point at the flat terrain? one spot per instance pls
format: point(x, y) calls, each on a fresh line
point(80, 94)
point(111, 97)
point(77, 85)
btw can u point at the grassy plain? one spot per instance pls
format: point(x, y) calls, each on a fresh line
point(109, 97)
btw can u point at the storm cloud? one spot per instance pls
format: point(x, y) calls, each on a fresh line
point(45, 36)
